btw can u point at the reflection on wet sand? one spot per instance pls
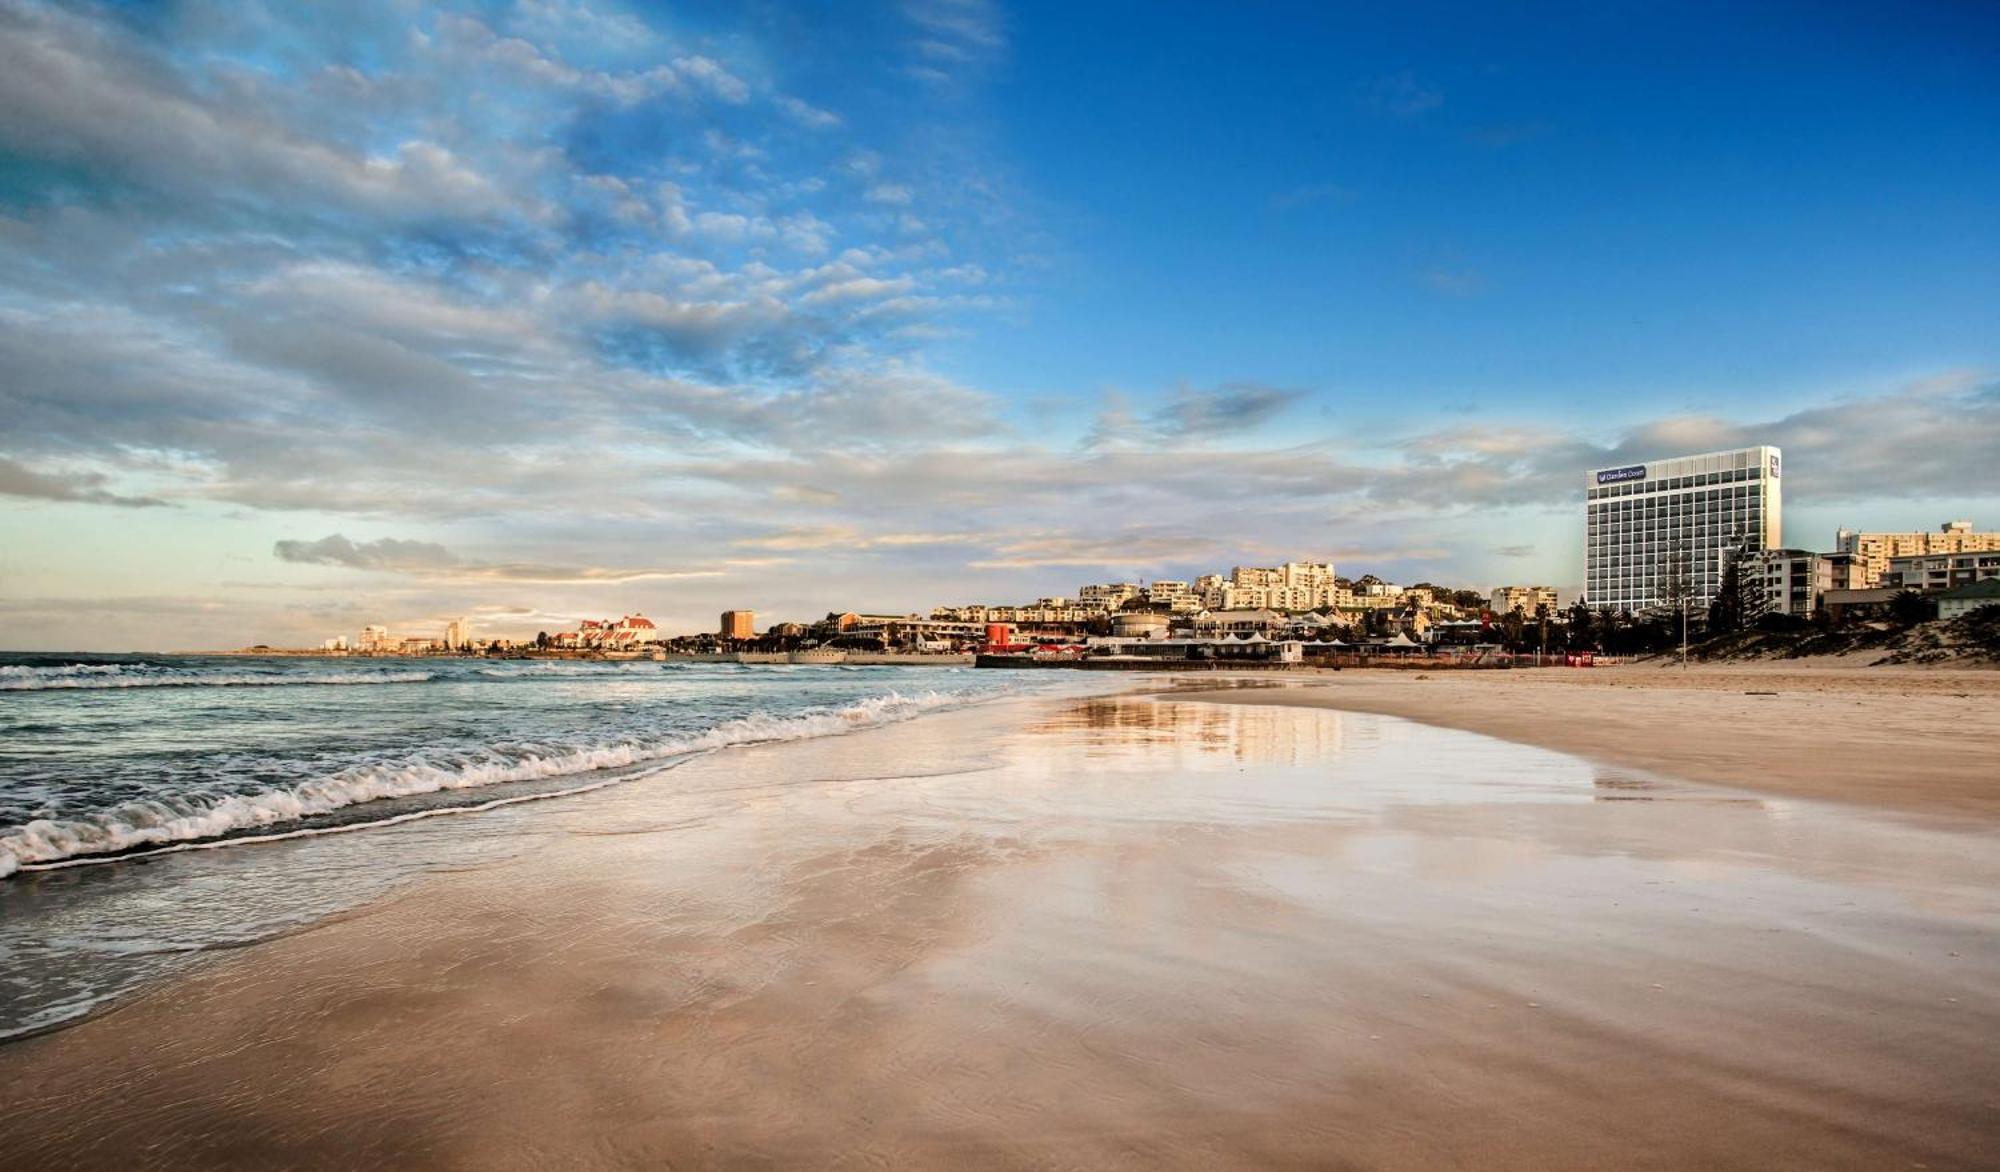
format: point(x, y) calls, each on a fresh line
point(1139, 932)
point(1138, 728)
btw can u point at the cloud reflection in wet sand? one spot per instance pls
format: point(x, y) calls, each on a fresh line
point(1129, 932)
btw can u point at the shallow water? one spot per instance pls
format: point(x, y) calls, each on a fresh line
point(137, 793)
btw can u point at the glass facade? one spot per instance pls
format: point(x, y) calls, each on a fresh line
point(1650, 527)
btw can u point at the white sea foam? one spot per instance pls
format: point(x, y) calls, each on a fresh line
point(98, 676)
point(159, 822)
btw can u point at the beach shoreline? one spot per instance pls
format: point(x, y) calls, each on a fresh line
point(1917, 740)
point(1186, 929)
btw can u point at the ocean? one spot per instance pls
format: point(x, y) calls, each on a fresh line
point(154, 808)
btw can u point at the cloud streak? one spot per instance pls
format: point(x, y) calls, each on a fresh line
point(433, 561)
point(17, 480)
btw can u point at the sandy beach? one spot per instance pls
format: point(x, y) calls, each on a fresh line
point(1915, 739)
point(1266, 926)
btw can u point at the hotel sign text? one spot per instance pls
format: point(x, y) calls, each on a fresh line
point(1614, 475)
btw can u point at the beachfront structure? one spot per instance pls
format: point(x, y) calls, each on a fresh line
point(1508, 599)
point(633, 632)
point(739, 624)
point(458, 634)
point(1236, 649)
point(1238, 622)
point(373, 638)
point(1875, 549)
point(1140, 624)
point(1941, 571)
point(1796, 581)
point(1658, 533)
point(1963, 600)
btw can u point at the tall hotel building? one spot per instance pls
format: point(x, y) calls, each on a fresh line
point(1648, 526)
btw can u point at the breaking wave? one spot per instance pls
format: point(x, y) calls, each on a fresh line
point(96, 676)
point(170, 823)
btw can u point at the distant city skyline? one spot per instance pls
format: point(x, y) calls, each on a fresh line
point(537, 311)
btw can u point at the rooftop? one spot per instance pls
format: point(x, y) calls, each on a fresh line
point(1984, 588)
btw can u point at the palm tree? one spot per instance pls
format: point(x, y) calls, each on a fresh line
point(1908, 608)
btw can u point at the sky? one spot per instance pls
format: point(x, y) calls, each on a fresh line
point(313, 316)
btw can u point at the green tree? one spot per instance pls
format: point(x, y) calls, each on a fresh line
point(1582, 634)
point(1908, 608)
point(1725, 610)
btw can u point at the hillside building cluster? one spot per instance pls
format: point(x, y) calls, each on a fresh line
point(1661, 539)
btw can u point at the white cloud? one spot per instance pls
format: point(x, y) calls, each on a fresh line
point(806, 114)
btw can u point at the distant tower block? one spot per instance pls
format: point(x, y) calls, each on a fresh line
point(739, 624)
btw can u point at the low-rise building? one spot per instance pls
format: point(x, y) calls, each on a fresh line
point(1795, 581)
point(1934, 572)
point(1244, 649)
point(1140, 624)
point(1963, 600)
point(1177, 596)
point(1238, 622)
point(1508, 599)
point(1110, 597)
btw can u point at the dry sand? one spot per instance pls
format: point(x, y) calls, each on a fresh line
point(1922, 740)
point(1112, 933)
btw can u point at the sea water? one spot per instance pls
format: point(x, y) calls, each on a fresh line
point(155, 808)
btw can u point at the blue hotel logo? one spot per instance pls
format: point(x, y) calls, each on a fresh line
point(1614, 475)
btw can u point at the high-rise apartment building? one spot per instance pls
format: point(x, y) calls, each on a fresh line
point(1875, 549)
point(1661, 531)
point(739, 624)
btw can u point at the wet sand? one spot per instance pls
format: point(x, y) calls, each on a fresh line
point(1114, 933)
point(1919, 740)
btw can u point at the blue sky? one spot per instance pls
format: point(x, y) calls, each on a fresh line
point(547, 309)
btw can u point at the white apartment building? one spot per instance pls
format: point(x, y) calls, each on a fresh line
point(458, 635)
point(1793, 581)
point(1292, 586)
point(373, 638)
point(1507, 599)
point(1372, 596)
point(1941, 571)
point(1109, 597)
point(1875, 549)
point(1651, 527)
point(1177, 596)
